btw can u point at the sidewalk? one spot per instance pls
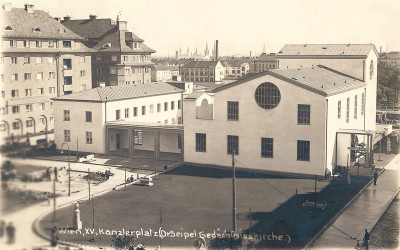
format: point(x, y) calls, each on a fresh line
point(24, 220)
point(364, 212)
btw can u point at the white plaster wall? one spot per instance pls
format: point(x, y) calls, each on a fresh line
point(255, 122)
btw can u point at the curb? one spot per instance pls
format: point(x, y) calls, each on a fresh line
point(333, 219)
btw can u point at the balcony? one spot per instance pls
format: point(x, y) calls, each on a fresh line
point(67, 87)
point(67, 72)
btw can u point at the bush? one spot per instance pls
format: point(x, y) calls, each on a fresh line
point(122, 241)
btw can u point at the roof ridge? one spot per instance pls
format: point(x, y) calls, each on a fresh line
point(338, 72)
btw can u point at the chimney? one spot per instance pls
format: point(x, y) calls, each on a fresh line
point(7, 6)
point(216, 50)
point(92, 17)
point(122, 25)
point(29, 8)
point(67, 18)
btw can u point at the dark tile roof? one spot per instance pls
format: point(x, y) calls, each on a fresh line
point(121, 92)
point(320, 79)
point(23, 24)
point(200, 64)
point(267, 57)
point(327, 50)
point(104, 32)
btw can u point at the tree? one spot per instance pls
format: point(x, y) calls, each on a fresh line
point(123, 241)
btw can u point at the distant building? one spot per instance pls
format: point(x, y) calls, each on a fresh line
point(266, 62)
point(41, 59)
point(120, 57)
point(235, 67)
point(121, 119)
point(202, 71)
point(163, 72)
point(391, 59)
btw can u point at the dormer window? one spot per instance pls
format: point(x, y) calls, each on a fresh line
point(62, 31)
point(8, 28)
point(37, 29)
point(67, 44)
point(107, 45)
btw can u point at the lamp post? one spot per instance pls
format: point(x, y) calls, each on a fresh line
point(69, 169)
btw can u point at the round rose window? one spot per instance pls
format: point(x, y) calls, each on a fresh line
point(267, 95)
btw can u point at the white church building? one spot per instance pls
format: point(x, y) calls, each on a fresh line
point(306, 118)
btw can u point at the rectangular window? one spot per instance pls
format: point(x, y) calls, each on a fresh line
point(179, 141)
point(151, 109)
point(113, 71)
point(117, 114)
point(13, 43)
point(88, 116)
point(67, 135)
point(14, 93)
point(52, 90)
point(355, 107)
point(51, 44)
point(39, 76)
point(143, 110)
point(339, 109)
point(82, 59)
point(137, 137)
point(348, 110)
point(14, 77)
point(267, 147)
point(27, 76)
point(15, 109)
point(89, 139)
point(233, 111)
point(179, 120)
point(38, 44)
point(28, 92)
point(38, 60)
point(127, 113)
point(66, 115)
point(179, 104)
point(165, 106)
point(28, 108)
point(14, 60)
point(42, 106)
point(172, 105)
point(83, 73)
point(303, 114)
point(134, 111)
point(40, 91)
point(362, 103)
point(51, 60)
point(16, 125)
point(125, 58)
point(158, 107)
point(113, 58)
point(29, 123)
point(98, 58)
point(27, 60)
point(98, 70)
point(200, 142)
point(233, 144)
point(26, 44)
point(303, 150)
point(67, 44)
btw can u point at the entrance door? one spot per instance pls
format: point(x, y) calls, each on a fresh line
point(118, 139)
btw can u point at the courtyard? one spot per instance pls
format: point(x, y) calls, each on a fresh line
point(189, 202)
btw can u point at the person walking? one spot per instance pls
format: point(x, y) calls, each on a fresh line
point(54, 237)
point(375, 176)
point(10, 230)
point(48, 174)
point(55, 173)
point(366, 239)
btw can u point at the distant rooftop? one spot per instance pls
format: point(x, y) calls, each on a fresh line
point(121, 92)
point(319, 79)
point(326, 50)
point(200, 64)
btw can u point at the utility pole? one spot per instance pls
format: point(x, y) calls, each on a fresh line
point(77, 156)
point(125, 174)
point(54, 199)
point(233, 192)
point(89, 182)
point(315, 192)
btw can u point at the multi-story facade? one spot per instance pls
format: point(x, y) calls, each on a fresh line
point(163, 72)
point(236, 68)
point(391, 59)
point(303, 120)
point(121, 119)
point(202, 71)
point(41, 59)
point(265, 62)
point(120, 56)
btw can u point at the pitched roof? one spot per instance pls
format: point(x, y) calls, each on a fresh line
point(200, 64)
point(194, 95)
point(23, 25)
point(361, 50)
point(104, 32)
point(267, 57)
point(321, 80)
point(235, 62)
point(121, 92)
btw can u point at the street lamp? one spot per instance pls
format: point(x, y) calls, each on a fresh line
point(69, 169)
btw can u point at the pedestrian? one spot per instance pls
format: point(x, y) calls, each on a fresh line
point(55, 173)
point(48, 174)
point(10, 230)
point(375, 176)
point(54, 236)
point(366, 239)
point(131, 179)
point(2, 226)
point(107, 175)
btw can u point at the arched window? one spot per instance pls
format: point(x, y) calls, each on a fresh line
point(267, 95)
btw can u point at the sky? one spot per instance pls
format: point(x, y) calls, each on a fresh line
point(241, 26)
